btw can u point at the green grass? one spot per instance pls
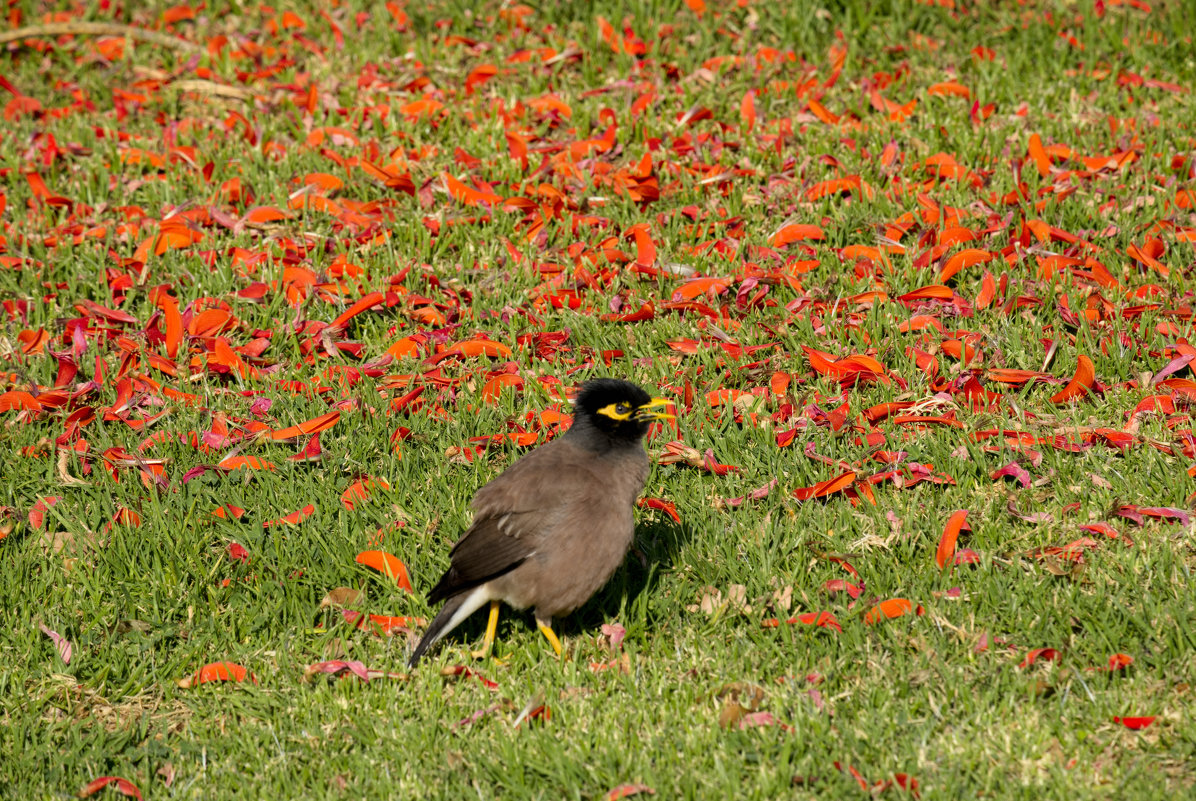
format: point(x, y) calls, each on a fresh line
point(146, 606)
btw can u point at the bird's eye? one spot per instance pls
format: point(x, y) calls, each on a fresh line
point(622, 408)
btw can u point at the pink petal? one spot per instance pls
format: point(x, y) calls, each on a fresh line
point(754, 495)
point(1013, 470)
point(65, 649)
point(338, 666)
point(753, 719)
point(615, 633)
point(966, 556)
point(1173, 366)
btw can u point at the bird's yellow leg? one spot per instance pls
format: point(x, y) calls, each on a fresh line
point(491, 629)
point(546, 630)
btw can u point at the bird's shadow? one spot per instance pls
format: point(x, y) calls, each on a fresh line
point(653, 551)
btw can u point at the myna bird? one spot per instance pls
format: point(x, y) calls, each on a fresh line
point(551, 530)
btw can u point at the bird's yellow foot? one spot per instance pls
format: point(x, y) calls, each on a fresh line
point(549, 635)
point(488, 640)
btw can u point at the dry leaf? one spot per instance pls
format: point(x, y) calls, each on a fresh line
point(739, 699)
point(750, 695)
point(709, 602)
point(731, 713)
point(737, 599)
point(64, 475)
point(782, 599)
point(341, 597)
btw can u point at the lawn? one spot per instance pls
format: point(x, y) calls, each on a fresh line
point(282, 286)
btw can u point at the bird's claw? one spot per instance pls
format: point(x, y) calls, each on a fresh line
point(484, 653)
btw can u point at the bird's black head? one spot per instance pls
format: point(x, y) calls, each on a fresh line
point(612, 411)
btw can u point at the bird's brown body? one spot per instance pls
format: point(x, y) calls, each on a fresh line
point(575, 492)
point(550, 531)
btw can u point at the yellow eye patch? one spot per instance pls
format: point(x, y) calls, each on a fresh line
point(617, 411)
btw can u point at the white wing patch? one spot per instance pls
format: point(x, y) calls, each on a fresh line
point(504, 527)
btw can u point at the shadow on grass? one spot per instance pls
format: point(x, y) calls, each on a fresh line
point(653, 551)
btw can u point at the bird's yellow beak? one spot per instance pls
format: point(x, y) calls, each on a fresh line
point(649, 410)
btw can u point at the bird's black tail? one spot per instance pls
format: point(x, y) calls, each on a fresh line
point(437, 628)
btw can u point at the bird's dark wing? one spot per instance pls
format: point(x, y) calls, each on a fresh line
point(513, 513)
